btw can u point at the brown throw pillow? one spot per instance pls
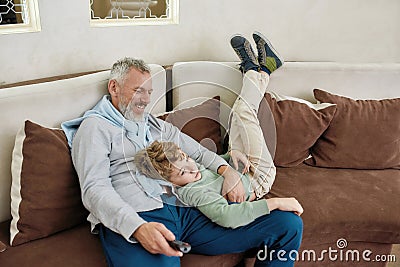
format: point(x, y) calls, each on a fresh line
point(45, 193)
point(200, 122)
point(364, 134)
point(298, 125)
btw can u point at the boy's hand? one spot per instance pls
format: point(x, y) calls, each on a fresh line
point(252, 196)
point(285, 204)
point(236, 157)
point(232, 188)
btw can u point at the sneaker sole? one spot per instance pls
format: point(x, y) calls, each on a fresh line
point(270, 46)
point(235, 48)
point(239, 35)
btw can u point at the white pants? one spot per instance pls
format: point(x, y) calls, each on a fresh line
point(245, 133)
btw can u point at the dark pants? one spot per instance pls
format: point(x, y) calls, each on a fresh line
point(276, 231)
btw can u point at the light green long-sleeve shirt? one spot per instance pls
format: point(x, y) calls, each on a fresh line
point(205, 195)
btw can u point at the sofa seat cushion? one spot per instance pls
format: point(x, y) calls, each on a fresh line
point(74, 247)
point(78, 247)
point(358, 205)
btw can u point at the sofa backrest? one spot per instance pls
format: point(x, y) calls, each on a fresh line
point(51, 103)
point(193, 82)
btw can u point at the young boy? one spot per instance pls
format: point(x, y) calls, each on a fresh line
point(201, 188)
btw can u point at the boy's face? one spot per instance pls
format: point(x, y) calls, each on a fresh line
point(185, 171)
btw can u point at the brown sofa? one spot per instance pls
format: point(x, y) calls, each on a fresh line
point(346, 209)
point(346, 218)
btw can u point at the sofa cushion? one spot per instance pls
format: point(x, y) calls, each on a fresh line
point(45, 193)
point(78, 247)
point(298, 124)
point(73, 247)
point(196, 260)
point(201, 122)
point(358, 205)
point(364, 134)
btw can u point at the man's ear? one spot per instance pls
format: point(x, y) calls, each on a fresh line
point(112, 87)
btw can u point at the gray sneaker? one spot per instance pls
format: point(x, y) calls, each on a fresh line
point(245, 52)
point(268, 57)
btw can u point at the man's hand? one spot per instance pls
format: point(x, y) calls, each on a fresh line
point(236, 157)
point(153, 237)
point(232, 188)
point(285, 204)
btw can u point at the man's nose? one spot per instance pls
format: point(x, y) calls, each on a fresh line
point(145, 97)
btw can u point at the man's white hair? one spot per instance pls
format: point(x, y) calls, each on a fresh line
point(121, 68)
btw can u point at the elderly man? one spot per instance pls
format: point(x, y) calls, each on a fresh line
point(135, 216)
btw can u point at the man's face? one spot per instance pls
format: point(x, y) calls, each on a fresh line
point(132, 97)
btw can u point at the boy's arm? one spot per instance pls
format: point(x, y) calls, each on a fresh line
point(236, 214)
point(217, 208)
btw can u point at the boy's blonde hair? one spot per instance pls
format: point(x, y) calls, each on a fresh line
point(155, 160)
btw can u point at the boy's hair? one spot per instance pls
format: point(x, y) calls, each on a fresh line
point(155, 160)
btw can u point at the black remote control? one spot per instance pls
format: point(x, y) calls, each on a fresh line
point(179, 245)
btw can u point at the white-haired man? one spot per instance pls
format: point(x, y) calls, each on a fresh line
point(134, 216)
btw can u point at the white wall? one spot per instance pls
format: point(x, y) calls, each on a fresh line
point(302, 30)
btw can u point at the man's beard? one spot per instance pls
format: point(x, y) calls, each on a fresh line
point(127, 112)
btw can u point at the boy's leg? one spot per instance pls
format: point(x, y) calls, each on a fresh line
point(246, 134)
point(278, 230)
